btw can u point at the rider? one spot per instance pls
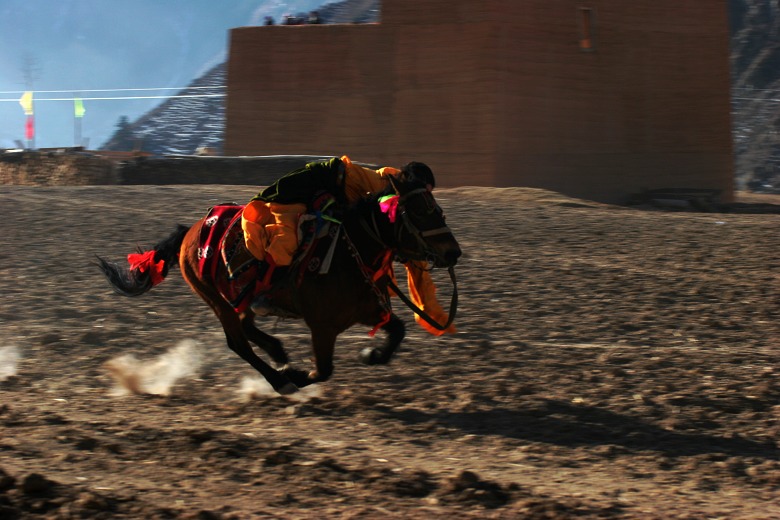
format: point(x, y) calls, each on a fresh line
point(270, 221)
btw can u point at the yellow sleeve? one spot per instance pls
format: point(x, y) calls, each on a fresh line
point(422, 292)
point(360, 181)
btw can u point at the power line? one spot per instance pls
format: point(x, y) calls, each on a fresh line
point(106, 90)
point(113, 98)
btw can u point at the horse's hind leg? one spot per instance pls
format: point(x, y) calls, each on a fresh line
point(396, 331)
point(231, 323)
point(271, 345)
point(238, 343)
point(277, 380)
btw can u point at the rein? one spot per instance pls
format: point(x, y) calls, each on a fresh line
point(421, 313)
point(383, 299)
point(373, 231)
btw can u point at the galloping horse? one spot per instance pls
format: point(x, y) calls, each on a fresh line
point(354, 289)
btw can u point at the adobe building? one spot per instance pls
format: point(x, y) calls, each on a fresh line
point(597, 99)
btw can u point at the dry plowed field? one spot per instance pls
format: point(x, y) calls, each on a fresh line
point(610, 363)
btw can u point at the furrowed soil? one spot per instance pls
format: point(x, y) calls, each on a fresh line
point(609, 363)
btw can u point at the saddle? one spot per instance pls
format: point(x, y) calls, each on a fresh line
point(239, 276)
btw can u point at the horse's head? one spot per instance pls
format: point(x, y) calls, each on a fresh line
point(420, 229)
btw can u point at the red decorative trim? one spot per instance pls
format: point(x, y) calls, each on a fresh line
point(145, 262)
point(385, 321)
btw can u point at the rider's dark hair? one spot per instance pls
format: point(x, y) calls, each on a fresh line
point(418, 171)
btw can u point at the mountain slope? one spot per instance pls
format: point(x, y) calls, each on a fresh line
point(755, 66)
point(181, 125)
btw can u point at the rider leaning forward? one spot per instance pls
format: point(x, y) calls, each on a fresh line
point(270, 221)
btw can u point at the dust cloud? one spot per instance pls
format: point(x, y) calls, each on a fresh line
point(9, 361)
point(156, 376)
point(255, 387)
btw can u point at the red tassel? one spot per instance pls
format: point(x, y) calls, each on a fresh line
point(385, 268)
point(145, 262)
point(385, 320)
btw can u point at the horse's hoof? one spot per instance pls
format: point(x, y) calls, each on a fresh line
point(371, 356)
point(287, 389)
point(299, 378)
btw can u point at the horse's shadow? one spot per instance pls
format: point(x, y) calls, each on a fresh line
point(566, 424)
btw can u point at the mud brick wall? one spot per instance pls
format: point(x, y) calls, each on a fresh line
point(499, 93)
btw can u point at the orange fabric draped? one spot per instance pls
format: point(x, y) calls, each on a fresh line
point(272, 229)
point(422, 292)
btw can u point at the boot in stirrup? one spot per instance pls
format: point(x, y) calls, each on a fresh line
point(261, 305)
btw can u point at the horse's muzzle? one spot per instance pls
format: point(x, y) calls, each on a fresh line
point(449, 259)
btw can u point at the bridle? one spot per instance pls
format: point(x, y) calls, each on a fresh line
point(403, 225)
point(419, 236)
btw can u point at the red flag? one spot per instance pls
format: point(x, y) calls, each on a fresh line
point(29, 128)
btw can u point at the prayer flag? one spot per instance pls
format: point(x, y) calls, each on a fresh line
point(27, 103)
point(78, 105)
point(29, 128)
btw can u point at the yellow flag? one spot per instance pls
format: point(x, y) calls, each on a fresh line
point(27, 103)
point(78, 105)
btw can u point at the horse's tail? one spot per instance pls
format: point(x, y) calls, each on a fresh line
point(147, 268)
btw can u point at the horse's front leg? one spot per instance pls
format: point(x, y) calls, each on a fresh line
point(396, 331)
point(323, 341)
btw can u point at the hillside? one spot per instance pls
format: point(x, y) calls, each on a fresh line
point(180, 126)
point(755, 65)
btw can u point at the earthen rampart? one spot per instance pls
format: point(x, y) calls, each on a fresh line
point(78, 168)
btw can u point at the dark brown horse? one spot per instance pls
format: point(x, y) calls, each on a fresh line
point(354, 290)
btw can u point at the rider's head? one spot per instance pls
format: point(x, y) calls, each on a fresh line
point(420, 172)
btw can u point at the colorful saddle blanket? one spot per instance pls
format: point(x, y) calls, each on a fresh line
point(236, 273)
point(221, 245)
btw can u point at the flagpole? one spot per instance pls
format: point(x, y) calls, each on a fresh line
point(77, 131)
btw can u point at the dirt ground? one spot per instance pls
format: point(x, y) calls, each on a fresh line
point(610, 363)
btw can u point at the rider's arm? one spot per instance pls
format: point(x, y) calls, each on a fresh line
point(360, 181)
